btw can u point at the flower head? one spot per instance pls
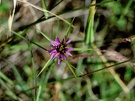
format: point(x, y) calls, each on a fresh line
point(59, 49)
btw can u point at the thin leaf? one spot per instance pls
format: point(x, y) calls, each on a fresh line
point(11, 17)
point(69, 65)
point(90, 30)
point(18, 76)
point(44, 35)
point(3, 76)
point(8, 90)
point(45, 66)
point(44, 6)
point(20, 35)
point(39, 92)
point(69, 28)
point(10, 20)
point(81, 49)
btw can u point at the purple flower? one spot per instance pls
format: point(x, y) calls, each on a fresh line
point(59, 49)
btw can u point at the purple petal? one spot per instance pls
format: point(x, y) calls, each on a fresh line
point(63, 56)
point(56, 55)
point(54, 51)
point(52, 56)
point(57, 40)
point(68, 42)
point(69, 49)
point(51, 50)
point(59, 60)
point(68, 53)
point(53, 47)
point(54, 43)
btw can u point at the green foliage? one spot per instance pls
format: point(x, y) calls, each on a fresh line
point(28, 74)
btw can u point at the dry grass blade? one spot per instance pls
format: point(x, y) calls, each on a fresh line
point(111, 70)
point(130, 86)
point(117, 57)
point(10, 22)
point(44, 10)
point(11, 17)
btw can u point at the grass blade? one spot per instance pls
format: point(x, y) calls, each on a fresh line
point(69, 28)
point(44, 6)
point(70, 66)
point(8, 90)
point(44, 35)
point(45, 66)
point(90, 30)
point(39, 92)
point(81, 49)
point(6, 78)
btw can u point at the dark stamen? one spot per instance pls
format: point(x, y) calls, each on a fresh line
point(61, 48)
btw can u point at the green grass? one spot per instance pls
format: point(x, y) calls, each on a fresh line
point(28, 74)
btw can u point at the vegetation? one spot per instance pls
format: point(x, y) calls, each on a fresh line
point(99, 67)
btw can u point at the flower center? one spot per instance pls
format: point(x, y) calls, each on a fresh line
point(61, 48)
